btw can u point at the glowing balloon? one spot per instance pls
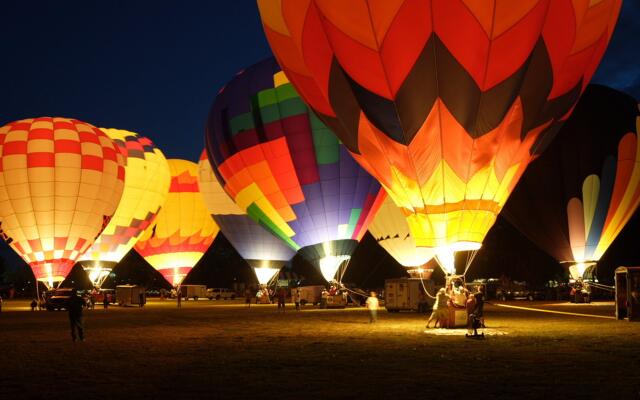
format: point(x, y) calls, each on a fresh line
point(575, 199)
point(60, 182)
point(183, 229)
point(286, 169)
point(264, 252)
point(445, 102)
point(146, 186)
point(390, 229)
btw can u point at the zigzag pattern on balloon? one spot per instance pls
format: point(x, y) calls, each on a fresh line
point(445, 102)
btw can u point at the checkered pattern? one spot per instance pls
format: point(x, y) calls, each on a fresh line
point(60, 182)
point(145, 191)
point(183, 230)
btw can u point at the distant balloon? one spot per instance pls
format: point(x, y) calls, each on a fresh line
point(445, 102)
point(146, 186)
point(390, 229)
point(576, 198)
point(265, 252)
point(183, 229)
point(60, 182)
point(286, 169)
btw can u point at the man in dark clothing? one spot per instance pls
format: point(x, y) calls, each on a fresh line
point(76, 303)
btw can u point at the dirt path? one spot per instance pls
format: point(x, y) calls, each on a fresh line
point(228, 351)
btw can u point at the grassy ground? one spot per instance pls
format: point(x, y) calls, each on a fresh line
point(223, 350)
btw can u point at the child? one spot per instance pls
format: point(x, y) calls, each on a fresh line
point(372, 305)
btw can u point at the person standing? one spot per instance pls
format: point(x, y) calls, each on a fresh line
point(141, 299)
point(105, 300)
point(34, 304)
point(372, 305)
point(75, 305)
point(282, 294)
point(0, 304)
point(440, 309)
point(296, 298)
point(179, 294)
point(248, 295)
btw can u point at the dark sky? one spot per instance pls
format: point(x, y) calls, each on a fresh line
point(154, 67)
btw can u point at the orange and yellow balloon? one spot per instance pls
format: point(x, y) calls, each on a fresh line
point(445, 102)
point(146, 186)
point(60, 183)
point(183, 230)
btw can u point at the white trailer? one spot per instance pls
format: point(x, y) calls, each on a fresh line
point(130, 295)
point(407, 294)
point(194, 292)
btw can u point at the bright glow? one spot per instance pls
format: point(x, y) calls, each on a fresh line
point(420, 270)
point(446, 256)
point(577, 270)
point(265, 274)
point(97, 273)
point(329, 266)
point(447, 260)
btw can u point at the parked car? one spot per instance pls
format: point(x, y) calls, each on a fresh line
point(220, 293)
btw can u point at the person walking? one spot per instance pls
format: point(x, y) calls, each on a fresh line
point(372, 304)
point(76, 322)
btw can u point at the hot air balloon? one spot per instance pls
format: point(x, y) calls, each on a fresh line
point(264, 252)
point(575, 199)
point(389, 228)
point(183, 229)
point(445, 102)
point(286, 170)
point(146, 186)
point(60, 182)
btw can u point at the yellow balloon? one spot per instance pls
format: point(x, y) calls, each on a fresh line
point(183, 230)
point(146, 186)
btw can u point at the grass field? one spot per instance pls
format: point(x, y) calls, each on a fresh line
point(212, 349)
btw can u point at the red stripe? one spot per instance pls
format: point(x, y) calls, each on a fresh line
point(67, 146)
point(92, 162)
point(120, 173)
point(11, 148)
point(109, 154)
point(41, 133)
point(88, 137)
point(59, 243)
point(60, 124)
point(41, 159)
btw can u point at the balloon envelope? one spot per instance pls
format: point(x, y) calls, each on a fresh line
point(146, 186)
point(575, 199)
point(183, 229)
point(265, 252)
point(60, 182)
point(286, 169)
point(390, 229)
point(443, 101)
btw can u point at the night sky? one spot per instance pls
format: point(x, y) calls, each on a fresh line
point(154, 67)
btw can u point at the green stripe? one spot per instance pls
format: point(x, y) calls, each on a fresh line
point(353, 220)
point(242, 122)
point(325, 143)
point(260, 217)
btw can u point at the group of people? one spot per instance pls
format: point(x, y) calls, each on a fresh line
point(456, 296)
